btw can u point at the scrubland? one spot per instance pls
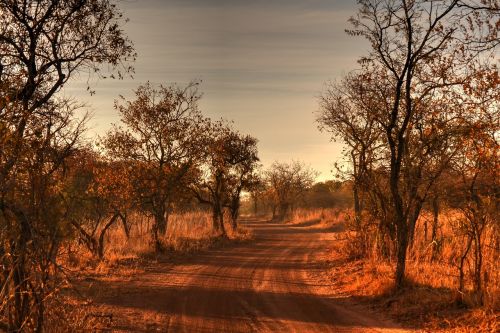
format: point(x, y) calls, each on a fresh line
point(431, 299)
point(187, 233)
point(126, 257)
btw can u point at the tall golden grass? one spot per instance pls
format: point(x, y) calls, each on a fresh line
point(125, 257)
point(432, 292)
point(186, 232)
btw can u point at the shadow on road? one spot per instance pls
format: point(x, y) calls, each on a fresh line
point(266, 280)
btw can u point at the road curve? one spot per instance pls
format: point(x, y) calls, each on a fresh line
point(266, 285)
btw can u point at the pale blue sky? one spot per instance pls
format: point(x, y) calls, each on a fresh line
point(262, 63)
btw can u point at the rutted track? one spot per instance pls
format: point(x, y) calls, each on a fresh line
point(267, 285)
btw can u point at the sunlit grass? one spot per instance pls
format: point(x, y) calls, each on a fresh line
point(431, 295)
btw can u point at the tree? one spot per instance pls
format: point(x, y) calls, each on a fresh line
point(347, 113)
point(473, 184)
point(322, 195)
point(162, 140)
point(42, 45)
point(98, 194)
point(424, 48)
point(32, 223)
point(257, 191)
point(242, 174)
point(475, 193)
point(288, 183)
point(228, 168)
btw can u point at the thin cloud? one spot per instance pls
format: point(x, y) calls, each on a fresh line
point(256, 59)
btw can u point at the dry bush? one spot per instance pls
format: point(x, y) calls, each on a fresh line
point(326, 217)
point(431, 298)
point(67, 314)
point(186, 232)
point(441, 270)
point(302, 215)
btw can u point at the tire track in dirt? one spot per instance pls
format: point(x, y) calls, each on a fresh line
point(267, 285)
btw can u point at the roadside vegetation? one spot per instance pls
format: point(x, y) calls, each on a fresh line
point(147, 186)
point(431, 299)
point(420, 124)
point(413, 210)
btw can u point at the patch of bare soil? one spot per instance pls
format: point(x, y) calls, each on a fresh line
point(272, 284)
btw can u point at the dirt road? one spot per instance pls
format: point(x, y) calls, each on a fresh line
point(267, 285)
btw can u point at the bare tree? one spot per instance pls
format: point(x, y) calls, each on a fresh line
point(288, 183)
point(347, 112)
point(474, 186)
point(42, 44)
point(424, 48)
point(478, 184)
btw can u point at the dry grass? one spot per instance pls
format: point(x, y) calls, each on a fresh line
point(428, 302)
point(124, 259)
point(186, 233)
point(430, 299)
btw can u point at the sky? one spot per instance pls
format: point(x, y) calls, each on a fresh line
point(262, 63)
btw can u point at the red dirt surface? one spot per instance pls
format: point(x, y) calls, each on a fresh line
point(271, 284)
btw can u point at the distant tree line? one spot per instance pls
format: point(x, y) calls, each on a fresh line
point(282, 188)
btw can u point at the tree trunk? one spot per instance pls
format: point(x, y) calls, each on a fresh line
point(162, 222)
point(382, 241)
point(100, 246)
point(478, 260)
point(19, 248)
point(402, 246)
point(401, 229)
point(88, 239)
point(283, 211)
point(461, 276)
point(357, 206)
point(400, 220)
point(426, 231)
point(234, 217)
point(255, 205)
point(413, 221)
point(159, 219)
point(221, 224)
point(215, 218)
point(235, 211)
point(355, 190)
point(435, 223)
point(126, 227)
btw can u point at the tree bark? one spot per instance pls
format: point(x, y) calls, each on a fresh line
point(100, 246)
point(435, 224)
point(126, 227)
point(216, 212)
point(255, 205)
point(402, 246)
point(159, 219)
point(221, 224)
point(357, 206)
